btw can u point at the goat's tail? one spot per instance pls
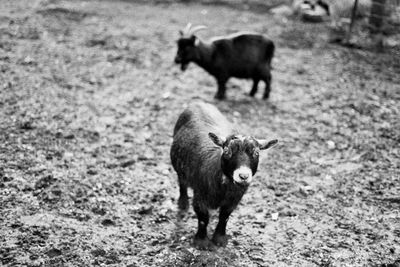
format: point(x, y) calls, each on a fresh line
point(269, 52)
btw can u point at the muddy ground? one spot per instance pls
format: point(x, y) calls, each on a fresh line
point(89, 95)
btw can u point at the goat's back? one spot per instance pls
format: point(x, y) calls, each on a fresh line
point(202, 117)
point(193, 154)
point(247, 47)
point(243, 55)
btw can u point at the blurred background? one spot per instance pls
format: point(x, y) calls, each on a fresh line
point(89, 94)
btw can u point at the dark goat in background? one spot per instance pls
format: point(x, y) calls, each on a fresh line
point(218, 164)
point(240, 55)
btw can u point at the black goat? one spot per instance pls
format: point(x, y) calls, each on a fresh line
point(217, 163)
point(241, 55)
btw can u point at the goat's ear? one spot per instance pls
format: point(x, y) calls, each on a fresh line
point(219, 141)
point(265, 144)
point(193, 39)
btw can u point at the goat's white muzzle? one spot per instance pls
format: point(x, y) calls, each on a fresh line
point(242, 175)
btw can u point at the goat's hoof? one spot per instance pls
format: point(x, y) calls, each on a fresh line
point(251, 94)
point(203, 243)
point(220, 240)
point(219, 97)
point(183, 203)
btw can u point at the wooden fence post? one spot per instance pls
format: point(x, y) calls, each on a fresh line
point(353, 18)
point(377, 15)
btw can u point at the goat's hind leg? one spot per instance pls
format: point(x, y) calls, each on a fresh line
point(183, 201)
point(267, 79)
point(254, 88)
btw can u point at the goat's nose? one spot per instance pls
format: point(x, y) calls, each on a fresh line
point(177, 60)
point(243, 176)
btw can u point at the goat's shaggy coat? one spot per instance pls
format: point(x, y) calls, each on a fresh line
point(240, 55)
point(196, 159)
point(215, 162)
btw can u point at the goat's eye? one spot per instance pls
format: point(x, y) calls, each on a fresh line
point(227, 152)
point(255, 153)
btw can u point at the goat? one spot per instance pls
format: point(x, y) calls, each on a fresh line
point(240, 55)
point(210, 157)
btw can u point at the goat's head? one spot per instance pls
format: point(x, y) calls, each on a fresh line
point(187, 45)
point(239, 160)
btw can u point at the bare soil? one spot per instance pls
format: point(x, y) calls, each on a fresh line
point(88, 98)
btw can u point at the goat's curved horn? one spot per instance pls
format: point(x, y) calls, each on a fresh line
point(186, 30)
point(197, 28)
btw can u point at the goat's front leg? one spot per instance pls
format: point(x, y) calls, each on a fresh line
point(200, 239)
point(220, 238)
point(221, 81)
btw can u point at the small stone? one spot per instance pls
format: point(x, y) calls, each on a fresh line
point(275, 216)
point(166, 95)
point(68, 155)
point(331, 144)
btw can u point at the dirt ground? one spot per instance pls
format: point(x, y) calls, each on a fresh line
point(88, 98)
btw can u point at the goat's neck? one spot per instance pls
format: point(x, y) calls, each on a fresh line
point(204, 55)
